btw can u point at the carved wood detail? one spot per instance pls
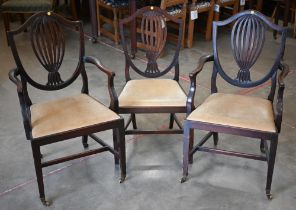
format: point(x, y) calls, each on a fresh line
point(247, 41)
point(48, 42)
point(153, 34)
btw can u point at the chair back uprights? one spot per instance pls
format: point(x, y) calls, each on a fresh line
point(247, 42)
point(47, 35)
point(153, 30)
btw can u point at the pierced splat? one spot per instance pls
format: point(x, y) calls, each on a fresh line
point(247, 41)
point(48, 43)
point(153, 34)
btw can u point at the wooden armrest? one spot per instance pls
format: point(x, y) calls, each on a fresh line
point(23, 99)
point(111, 75)
point(201, 62)
point(284, 72)
point(191, 94)
point(13, 77)
point(279, 103)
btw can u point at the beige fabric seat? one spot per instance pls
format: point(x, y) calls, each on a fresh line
point(236, 111)
point(68, 114)
point(152, 93)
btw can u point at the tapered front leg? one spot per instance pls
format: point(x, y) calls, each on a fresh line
point(122, 158)
point(191, 143)
point(38, 170)
point(185, 151)
point(115, 144)
point(272, 154)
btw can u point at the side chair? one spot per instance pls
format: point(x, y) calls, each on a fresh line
point(152, 93)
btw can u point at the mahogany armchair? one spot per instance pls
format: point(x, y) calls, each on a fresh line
point(151, 93)
point(241, 115)
point(68, 117)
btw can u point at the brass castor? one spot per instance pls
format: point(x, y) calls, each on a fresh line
point(45, 202)
point(122, 178)
point(268, 195)
point(183, 179)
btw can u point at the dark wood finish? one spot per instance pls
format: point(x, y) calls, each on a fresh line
point(48, 42)
point(156, 16)
point(248, 30)
point(210, 13)
point(153, 35)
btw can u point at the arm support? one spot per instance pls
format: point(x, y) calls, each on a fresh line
point(190, 98)
point(25, 108)
point(110, 74)
point(279, 102)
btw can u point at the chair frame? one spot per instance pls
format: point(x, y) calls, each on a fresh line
point(21, 79)
point(129, 64)
point(210, 11)
point(214, 129)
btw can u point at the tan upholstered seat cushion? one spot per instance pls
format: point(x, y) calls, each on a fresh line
point(236, 111)
point(152, 92)
point(68, 114)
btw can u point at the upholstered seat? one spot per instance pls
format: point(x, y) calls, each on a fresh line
point(236, 111)
point(68, 114)
point(152, 93)
point(23, 6)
